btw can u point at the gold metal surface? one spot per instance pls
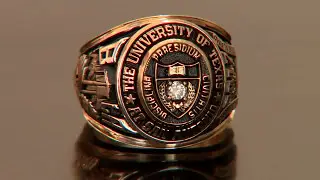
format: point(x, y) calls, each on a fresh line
point(100, 66)
point(125, 27)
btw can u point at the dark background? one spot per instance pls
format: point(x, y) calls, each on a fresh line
point(277, 43)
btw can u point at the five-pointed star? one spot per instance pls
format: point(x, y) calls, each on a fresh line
point(130, 99)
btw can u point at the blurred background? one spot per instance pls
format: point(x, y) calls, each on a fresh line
point(277, 42)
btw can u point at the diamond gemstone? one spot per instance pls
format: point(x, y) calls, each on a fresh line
point(177, 90)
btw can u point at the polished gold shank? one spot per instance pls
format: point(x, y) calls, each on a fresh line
point(108, 135)
point(138, 23)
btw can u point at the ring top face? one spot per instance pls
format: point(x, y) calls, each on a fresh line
point(170, 81)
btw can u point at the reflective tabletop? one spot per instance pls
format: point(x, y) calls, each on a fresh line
point(96, 160)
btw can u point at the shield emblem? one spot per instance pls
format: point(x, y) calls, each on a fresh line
point(178, 86)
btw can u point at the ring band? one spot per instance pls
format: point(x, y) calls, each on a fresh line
point(162, 82)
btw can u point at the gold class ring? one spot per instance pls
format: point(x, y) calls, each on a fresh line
point(160, 82)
